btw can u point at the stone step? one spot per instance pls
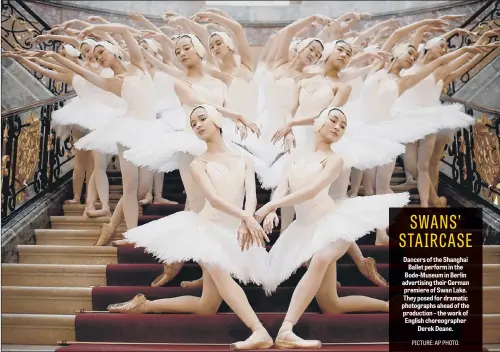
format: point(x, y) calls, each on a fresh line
point(67, 237)
point(29, 348)
point(82, 223)
point(68, 300)
point(45, 300)
point(37, 329)
point(53, 275)
point(45, 329)
point(50, 254)
point(491, 254)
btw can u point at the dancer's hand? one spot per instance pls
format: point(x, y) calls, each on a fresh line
point(241, 129)
point(263, 212)
point(280, 133)
point(289, 142)
point(258, 235)
point(253, 127)
point(272, 220)
point(85, 32)
point(244, 236)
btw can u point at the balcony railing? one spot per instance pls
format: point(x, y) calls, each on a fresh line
point(485, 19)
point(34, 160)
point(19, 26)
point(472, 161)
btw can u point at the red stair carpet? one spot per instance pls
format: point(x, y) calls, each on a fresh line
point(209, 348)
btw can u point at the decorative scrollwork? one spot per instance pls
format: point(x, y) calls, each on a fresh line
point(487, 151)
point(20, 25)
point(488, 20)
point(28, 150)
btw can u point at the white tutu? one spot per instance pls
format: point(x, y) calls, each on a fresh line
point(351, 220)
point(164, 156)
point(187, 236)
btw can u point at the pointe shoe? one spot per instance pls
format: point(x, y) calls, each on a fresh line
point(94, 213)
point(443, 202)
point(135, 306)
point(146, 201)
point(372, 274)
point(119, 243)
point(170, 271)
point(192, 284)
point(288, 340)
point(253, 343)
point(161, 200)
point(106, 235)
point(71, 201)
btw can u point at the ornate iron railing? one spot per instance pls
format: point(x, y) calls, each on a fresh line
point(34, 159)
point(483, 20)
point(472, 160)
point(19, 26)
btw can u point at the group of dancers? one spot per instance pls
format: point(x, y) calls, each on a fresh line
point(325, 107)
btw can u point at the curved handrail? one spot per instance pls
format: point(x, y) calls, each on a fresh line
point(470, 105)
point(37, 104)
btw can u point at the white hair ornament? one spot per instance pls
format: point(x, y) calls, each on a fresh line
point(71, 50)
point(212, 114)
point(225, 38)
point(198, 47)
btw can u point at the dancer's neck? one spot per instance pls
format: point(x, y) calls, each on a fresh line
point(228, 63)
point(333, 74)
point(297, 65)
point(195, 71)
point(216, 146)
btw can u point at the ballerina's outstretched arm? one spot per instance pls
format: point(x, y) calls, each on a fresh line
point(58, 76)
point(407, 82)
point(339, 99)
point(187, 96)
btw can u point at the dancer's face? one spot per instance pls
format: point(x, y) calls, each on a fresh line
point(185, 52)
point(217, 47)
point(407, 58)
point(340, 56)
point(104, 57)
point(437, 50)
point(334, 127)
point(87, 52)
point(311, 53)
point(202, 126)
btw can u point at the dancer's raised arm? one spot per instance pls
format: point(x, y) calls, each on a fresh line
point(236, 29)
point(407, 82)
point(124, 31)
point(58, 76)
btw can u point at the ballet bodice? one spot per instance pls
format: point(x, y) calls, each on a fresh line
point(228, 179)
point(301, 172)
point(426, 93)
point(85, 89)
point(315, 95)
point(139, 92)
point(166, 99)
point(210, 90)
point(378, 96)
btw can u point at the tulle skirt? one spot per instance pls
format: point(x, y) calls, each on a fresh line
point(352, 219)
point(86, 113)
point(188, 236)
point(413, 122)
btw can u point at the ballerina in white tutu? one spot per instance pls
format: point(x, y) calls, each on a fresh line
point(312, 237)
point(132, 83)
point(167, 105)
point(210, 237)
point(423, 99)
point(70, 117)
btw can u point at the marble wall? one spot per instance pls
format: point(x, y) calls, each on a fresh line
point(259, 22)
